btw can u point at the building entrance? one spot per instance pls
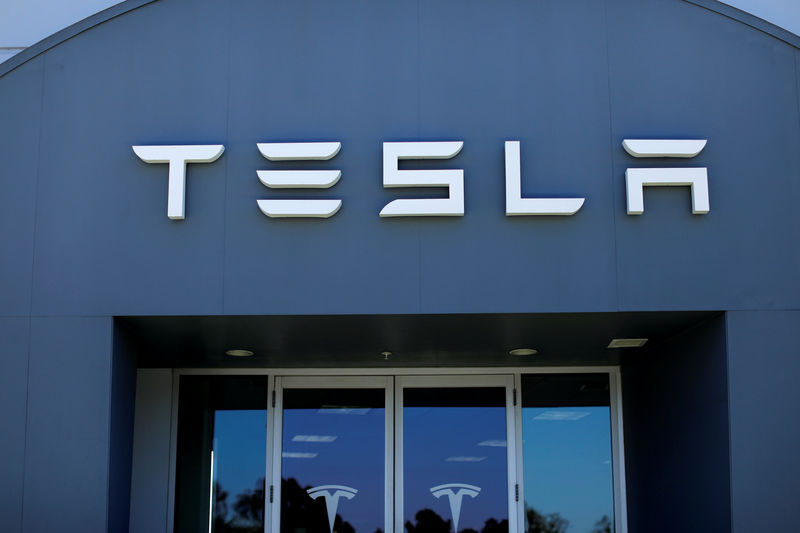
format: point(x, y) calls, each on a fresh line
point(469, 453)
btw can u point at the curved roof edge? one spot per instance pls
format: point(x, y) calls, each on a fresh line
point(129, 5)
point(69, 32)
point(748, 19)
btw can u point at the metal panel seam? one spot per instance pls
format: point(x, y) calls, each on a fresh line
point(25, 432)
point(110, 441)
point(227, 173)
point(730, 444)
point(611, 157)
point(36, 184)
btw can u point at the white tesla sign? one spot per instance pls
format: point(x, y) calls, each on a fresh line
point(178, 156)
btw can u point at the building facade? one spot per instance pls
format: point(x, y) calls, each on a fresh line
point(434, 266)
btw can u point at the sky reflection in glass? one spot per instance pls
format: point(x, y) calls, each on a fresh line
point(567, 464)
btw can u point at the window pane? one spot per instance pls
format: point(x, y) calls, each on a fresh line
point(566, 432)
point(454, 460)
point(333, 461)
point(221, 462)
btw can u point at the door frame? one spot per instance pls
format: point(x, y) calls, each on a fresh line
point(452, 381)
point(330, 382)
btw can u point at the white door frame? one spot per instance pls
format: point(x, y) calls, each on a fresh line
point(329, 382)
point(505, 381)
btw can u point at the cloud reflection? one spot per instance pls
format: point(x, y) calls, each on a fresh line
point(493, 443)
point(314, 438)
point(561, 415)
point(336, 410)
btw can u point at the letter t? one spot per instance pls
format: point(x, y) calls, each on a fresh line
point(178, 156)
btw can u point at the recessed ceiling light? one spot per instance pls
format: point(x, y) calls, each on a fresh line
point(626, 343)
point(239, 353)
point(522, 351)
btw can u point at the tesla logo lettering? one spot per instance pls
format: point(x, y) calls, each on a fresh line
point(637, 178)
point(332, 493)
point(455, 492)
point(450, 179)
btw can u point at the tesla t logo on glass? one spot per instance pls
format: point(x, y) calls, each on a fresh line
point(178, 156)
point(455, 493)
point(331, 494)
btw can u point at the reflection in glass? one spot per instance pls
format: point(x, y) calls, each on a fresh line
point(221, 467)
point(454, 460)
point(333, 461)
point(566, 433)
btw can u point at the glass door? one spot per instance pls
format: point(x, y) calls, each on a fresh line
point(454, 456)
point(399, 454)
point(333, 448)
point(221, 464)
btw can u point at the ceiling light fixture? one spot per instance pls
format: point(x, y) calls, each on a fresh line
point(522, 351)
point(386, 355)
point(239, 353)
point(626, 343)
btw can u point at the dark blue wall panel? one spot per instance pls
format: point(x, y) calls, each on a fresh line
point(13, 411)
point(763, 368)
point(104, 243)
point(568, 81)
point(20, 119)
point(676, 434)
point(358, 89)
point(517, 71)
point(67, 436)
point(680, 71)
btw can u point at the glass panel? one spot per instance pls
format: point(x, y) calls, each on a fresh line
point(221, 461)
point(333, 461)
point(566, 433)
point(454, 460)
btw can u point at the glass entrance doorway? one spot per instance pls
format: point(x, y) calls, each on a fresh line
point(332, 442)
point(470, 453)
point(423, 454)
point(455, 442)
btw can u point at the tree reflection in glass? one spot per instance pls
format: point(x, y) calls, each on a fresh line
point(238, 471)
point(221, 461)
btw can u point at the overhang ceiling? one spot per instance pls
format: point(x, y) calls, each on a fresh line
point(414, 340)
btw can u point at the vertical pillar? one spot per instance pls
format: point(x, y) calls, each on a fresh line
point(68, 425)
point(763, 372)
point(13, 406)
point(151, 449)
point(675, 408)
